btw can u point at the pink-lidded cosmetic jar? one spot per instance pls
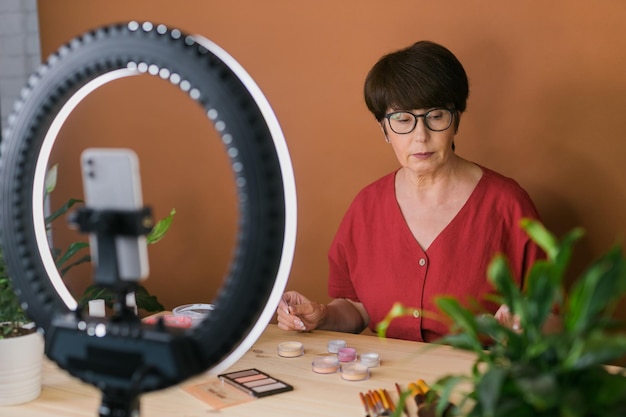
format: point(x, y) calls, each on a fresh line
point(346, 354)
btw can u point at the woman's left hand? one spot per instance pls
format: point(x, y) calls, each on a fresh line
point(553, 323)
point(506, 318)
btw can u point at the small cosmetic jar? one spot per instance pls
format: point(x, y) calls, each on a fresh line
point(170, 320)
point(335, 345)
point(354, 371)
point(325, 364)
point(290, 349)
point(370, 359)
point(346, 354)
point(197, 312)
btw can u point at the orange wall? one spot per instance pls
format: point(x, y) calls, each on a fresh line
point(547, 102)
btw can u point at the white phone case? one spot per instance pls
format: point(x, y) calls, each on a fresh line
point(111, 180)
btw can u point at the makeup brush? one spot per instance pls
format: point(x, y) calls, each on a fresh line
point(405, 409)
point(428, 409)
point(423, 386)
point(364, 402)
point(417, 393)
point(380, 407)
point(370, 403)
point(387, 397)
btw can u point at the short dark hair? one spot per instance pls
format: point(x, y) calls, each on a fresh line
point(421, 76)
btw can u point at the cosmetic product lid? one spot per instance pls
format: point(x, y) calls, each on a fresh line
point(197, 312)
point(354, 371)
point(169, 320)
point(290, 349)
point(370, 359)
point(335, 345)
point(346, 354)
point(325, 364)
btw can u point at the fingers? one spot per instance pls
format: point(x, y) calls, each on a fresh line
point(291, 298)
point(288, 321)
point(286, 312)
point(504, 316)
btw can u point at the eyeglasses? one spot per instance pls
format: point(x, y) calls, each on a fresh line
point(403, 122)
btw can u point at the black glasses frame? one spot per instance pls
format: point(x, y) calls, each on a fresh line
point(424, 116)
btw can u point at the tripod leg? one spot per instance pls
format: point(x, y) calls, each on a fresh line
point(119, 403)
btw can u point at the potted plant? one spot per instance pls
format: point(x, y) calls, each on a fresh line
point(21, 348)
point(530, 372)
point(75, 254)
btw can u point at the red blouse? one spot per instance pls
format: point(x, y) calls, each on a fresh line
point(375, 260)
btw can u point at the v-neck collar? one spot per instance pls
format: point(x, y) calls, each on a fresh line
point(458, 217)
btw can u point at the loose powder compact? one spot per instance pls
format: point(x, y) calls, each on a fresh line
point(370, 359)
point(335, 345)
point(325, 364)
point(354, 371)
point(290, 349)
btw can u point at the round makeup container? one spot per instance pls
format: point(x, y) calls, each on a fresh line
point(196, 312)
point(325, 364)
point(346, 354)
point(170, 320)
point(354, 371)
point(335, 345)
point(370, 359)
point(290, 349)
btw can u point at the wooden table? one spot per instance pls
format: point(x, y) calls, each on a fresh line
point(313, 395)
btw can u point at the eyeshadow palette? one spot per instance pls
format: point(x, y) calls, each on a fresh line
point(255, 382)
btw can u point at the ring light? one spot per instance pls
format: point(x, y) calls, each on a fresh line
point(266, 195)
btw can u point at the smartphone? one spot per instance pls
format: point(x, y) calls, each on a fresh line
point(111, 180)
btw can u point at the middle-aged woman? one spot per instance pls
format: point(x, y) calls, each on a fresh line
point(431, 227)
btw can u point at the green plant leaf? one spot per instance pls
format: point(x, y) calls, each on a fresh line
point(502, 336)
point(96, 292)
point(541, 236)
point(160, 229)
point(397, 310)
point(82, 260)
point(61, 210)
point(51, 178)
point(146, 301)
point(464, 320)
point(447, 385)
point(72, 250)
point(401, 403)
point(566, 247)
point(543, 291)
point(489, 388)
point(540, 389)
point(597, 290)
point(595, 350)
point(499, 274)
point(10, 310)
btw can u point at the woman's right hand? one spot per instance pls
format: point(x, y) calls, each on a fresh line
point(296, 312)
